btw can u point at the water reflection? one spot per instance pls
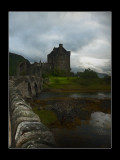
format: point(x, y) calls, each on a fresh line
point(93, 133)
point(84, 136)
point(100, 119)
point(99, 95)
point(91, 95)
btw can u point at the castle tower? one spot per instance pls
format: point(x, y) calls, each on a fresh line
point(59, 59)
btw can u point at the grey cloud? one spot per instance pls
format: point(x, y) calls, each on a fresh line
point(34, 34)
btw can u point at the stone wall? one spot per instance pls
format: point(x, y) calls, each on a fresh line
point(58, 59)
point(28, 86)
point(46, 67)
point(25, 68)
point(27, 131)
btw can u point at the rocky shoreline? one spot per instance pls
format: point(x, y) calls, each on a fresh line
point(72, 110)
point(82, 108)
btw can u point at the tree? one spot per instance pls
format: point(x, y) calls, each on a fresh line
point(107, 79)
point(87, 74)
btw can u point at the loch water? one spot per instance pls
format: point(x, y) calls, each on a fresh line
point(83, 136)
point(93, 133)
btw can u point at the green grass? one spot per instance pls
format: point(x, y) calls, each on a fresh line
point(74, 83)
point(47, 117)
point(62, 80)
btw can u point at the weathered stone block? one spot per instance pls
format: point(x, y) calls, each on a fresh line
point(26, 129)
point(45, 136)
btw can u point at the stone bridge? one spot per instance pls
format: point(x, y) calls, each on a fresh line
point(28, 86)
point(25, 127)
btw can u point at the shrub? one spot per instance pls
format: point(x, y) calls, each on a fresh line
point(87, 74)
point(107, 79)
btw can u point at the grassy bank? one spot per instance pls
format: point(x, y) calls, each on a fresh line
point(47, 117)
point(74, 84)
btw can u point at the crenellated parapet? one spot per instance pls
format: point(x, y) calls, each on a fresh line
point(27, 131)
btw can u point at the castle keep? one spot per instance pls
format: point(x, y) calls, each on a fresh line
point(57, 60)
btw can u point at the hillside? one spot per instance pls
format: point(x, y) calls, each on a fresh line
point(14, 59)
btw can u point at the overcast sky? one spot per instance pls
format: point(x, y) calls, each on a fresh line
point(86, 34)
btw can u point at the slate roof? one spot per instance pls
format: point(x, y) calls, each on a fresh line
point(56, 50)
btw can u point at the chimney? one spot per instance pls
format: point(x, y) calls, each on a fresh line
point(60, 45)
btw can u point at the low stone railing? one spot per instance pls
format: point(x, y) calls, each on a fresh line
point(27, 131)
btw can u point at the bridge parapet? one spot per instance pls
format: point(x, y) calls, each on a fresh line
point(27, 131)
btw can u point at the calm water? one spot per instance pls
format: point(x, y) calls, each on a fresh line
point(86, 135)
point(99, 95)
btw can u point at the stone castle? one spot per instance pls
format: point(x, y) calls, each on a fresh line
point(58, 59)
